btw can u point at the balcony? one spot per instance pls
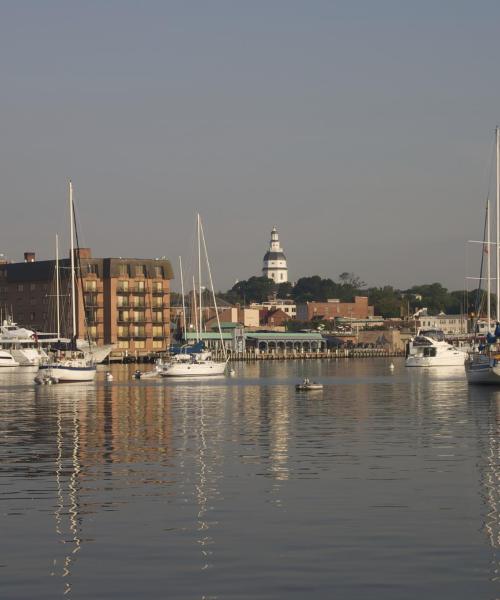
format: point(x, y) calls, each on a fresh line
point(91, 299)
point(139, 291)
point(124, 303)
point(122, 290)
point(158, 292)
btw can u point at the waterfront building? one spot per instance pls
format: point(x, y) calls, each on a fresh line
point(335, 309)
point(274, 264)
point(287, 306)
point(449, 324)
point(127, 300)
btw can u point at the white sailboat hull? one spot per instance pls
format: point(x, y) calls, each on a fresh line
point(66, 373)
point(204, 369)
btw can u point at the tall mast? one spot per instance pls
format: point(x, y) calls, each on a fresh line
point(497, 246)
point(183, 301)
point(213, 293)
point(58, 299)
point(72, 250)
point(488, 265)
point(195, 312)
point(200, 320)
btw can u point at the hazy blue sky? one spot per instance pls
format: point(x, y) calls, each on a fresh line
point(362, 129)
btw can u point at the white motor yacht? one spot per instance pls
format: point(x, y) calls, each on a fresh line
point(429, 349)
point(22, 344)
point(7, 360)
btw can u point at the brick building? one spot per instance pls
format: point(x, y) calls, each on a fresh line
point(127, 300)
point(332, 309)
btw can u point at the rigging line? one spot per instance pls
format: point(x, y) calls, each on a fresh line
point(80, 277)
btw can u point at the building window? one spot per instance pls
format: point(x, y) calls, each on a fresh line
point(20, 287)
point(92, 268)
point(158, 286)
point(32, 316)
point(158, 302)
point(123, 286)
point(122, 331)
point(139, 271)
point(138, 301)
point(157, 316)
point(159, 271)
point(140, 345)
point(140, 286)
point(157, 331)
point(122, 269)
point(123, 344)
point(91, 286)
point(139, 331)
point(32, 287)
point(123, 315)
point(157, 344)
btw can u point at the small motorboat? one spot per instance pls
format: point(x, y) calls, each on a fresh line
point(307, 385)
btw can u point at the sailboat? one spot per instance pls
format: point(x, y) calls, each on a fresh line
point(197, 364)
point(483, 366)
point(72, 365)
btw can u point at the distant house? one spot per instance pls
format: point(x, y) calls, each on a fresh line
point(333, 309)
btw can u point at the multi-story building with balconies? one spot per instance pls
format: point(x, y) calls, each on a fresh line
point(121, 301)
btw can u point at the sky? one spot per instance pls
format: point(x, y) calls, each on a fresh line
point(363, 130)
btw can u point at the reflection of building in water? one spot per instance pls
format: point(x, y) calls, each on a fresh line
point(127, 424)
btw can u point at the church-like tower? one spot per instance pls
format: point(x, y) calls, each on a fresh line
point(275, 266)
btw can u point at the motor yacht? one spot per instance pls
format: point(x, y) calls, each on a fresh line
point(429, 349)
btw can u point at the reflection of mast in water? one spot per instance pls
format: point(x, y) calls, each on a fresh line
point(201, 493)
point(71, 504)
point(492, 483)
point(278, 442)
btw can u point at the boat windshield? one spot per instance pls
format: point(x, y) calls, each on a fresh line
point(434, 334)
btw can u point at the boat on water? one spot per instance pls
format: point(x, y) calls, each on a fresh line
point(308, 385)
point(71, 365)
point(23, 344)
point(7, 360)
point(196, 361)
point(483, 364)
point(429, 349)
point(193, 365)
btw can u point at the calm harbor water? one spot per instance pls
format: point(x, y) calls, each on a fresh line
point(382, 485)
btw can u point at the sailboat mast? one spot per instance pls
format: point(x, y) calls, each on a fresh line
point(199, 275)
point(58, 293)
point(488, 265)
point(195, 312)
point(213, 293)
point(72, 250)
point(497, 245)
point(183, 300)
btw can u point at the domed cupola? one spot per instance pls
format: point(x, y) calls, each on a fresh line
point(275, 266)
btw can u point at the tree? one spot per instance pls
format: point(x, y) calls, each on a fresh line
point(255, 289)
point(385, 300)
point(285, 290)
point(351, 280)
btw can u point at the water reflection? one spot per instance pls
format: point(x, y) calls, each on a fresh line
point(188, 489)
point(485, 403)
